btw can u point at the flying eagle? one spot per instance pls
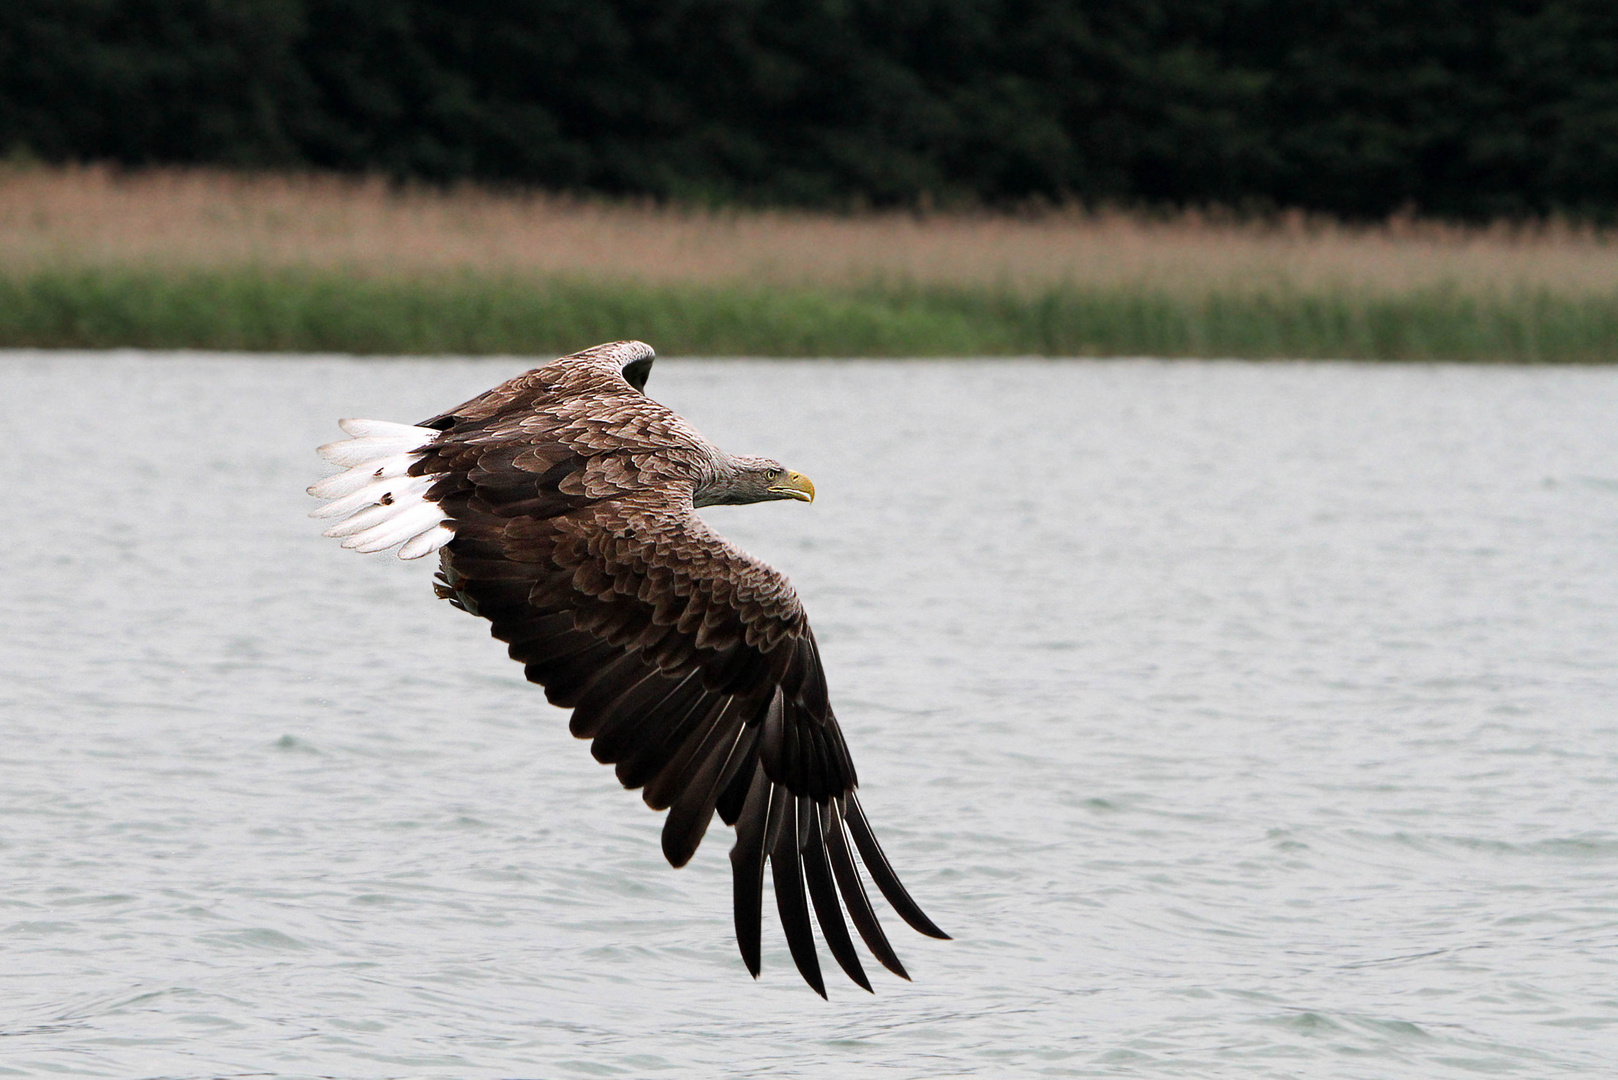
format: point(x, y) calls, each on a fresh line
point(564, 504)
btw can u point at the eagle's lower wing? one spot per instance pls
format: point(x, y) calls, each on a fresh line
point(688, 664)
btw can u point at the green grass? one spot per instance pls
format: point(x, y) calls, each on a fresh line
point(462, 313)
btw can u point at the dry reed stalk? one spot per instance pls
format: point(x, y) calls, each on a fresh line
point(193, 219)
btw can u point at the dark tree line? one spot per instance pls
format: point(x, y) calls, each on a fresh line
point(1460, 108)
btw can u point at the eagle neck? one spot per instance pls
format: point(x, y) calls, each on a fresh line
point(716, 474)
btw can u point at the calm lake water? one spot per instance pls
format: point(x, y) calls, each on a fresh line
point(1240, 720)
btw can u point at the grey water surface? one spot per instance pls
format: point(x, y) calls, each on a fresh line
point(1240, 720)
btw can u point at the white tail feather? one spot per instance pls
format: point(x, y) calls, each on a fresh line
point(347, 452)
point(361, 521)
point(416, 520)
point(426, 543)
point(351, 480)
point(360, 428)
point(359, 500)
point(384, 505)
point(393, 490)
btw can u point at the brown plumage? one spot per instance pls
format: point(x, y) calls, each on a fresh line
point(565, 509)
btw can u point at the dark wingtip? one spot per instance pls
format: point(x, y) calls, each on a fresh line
point(636, 373)
point(747, 871)
point(882, 873)
point(858, 904)
point(790, 902)
point(675, 852)
point(820, 878)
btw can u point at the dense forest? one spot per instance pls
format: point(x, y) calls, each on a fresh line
point(1454, 108)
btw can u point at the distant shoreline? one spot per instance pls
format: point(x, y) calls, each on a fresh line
point(172, 258)
point(286, 310)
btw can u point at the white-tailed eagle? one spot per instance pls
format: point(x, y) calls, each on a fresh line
point(563, 507)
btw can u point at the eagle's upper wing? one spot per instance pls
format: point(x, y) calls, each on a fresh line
point(689, 664)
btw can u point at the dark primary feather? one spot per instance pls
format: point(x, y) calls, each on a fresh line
point(688, 664)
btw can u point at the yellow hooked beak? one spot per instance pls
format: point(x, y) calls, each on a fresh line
point(794, 486)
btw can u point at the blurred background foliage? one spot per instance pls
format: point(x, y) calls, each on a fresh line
point(1463, 109)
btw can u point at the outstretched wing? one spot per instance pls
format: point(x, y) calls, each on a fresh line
point(688, 664)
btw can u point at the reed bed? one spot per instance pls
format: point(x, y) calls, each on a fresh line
point(173, 258)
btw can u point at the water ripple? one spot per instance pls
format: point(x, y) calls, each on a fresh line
point(1241, 720)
